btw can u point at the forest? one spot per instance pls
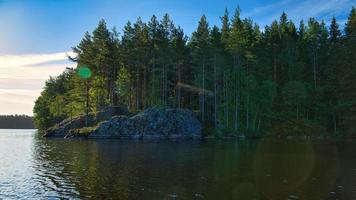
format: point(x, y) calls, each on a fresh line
point(283, 79)
point(16, 122)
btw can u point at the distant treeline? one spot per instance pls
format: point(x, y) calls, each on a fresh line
point(16, 122)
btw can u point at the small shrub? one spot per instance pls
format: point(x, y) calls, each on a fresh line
point(84, 132)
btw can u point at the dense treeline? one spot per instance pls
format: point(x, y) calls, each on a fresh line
point(286, 79)
point(16, 122)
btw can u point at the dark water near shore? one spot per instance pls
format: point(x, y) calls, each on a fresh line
point(38, 168)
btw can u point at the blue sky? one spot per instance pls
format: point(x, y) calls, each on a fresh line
point(44, 26)
point(36, 34)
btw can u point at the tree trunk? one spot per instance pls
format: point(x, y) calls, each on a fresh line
point(179, 86)
point(113, 86)
point(314, 64)
point(163, 86)
point(226, 113)
point(137, 89)
point(237, 90)
point(255, 120)
point(335, 124)
point(247, 111)
point(166, 86)
point(274, 67)
point(215, 95)
point(144, 93)
point(86, 102)
point(153, 92)
point(247, 100)
point(203, 92)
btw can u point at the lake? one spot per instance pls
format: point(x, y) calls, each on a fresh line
point(40, 168)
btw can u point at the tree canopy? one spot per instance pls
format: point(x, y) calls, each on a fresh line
point(237, 78)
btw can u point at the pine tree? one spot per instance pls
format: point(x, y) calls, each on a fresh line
point(200, 51)
point(217, 53)
point(334, 31)
point(180, 57)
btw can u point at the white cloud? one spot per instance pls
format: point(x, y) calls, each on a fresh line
point(31, 72)
point(17, 101)
point(22, 78)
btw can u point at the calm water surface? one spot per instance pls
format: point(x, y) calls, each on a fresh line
point(32, 167)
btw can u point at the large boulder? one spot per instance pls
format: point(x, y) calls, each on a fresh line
point(64, 128)
point(150, 124)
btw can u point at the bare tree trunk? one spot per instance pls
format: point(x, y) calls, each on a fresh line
point(247, 111)
point(226, 113)
point(153, 92)
point(314, 64)
point(137, 89)
point(275, 68)
point(237, 89)
point(203, 94)
point(163, 86)
point(254, 121)
point(144, 93)
point(215, 95)
point(335, 124)
point(247, 100)
point(178, 86)
point(86, 102)
point(114, 94)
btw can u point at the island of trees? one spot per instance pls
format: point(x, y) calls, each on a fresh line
point(238, 78)
point(16, 122)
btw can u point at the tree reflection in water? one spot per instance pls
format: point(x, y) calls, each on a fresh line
point(257, 169)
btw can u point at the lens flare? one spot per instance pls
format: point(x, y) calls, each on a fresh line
point(84, 72)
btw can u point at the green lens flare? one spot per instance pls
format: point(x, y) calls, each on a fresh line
point(84, 72)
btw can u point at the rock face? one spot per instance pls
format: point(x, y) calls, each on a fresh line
point(114, 122)
point(153, 123)
point(64, 128)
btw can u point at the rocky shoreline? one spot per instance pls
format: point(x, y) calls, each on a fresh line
point(118, 123)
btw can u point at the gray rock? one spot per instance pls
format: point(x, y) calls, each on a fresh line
point(153, 123)
point(63, 129)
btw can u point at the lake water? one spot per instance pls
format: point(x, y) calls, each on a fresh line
point(32, 167)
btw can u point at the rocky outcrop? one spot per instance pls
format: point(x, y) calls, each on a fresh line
point(153, 123)
point(66, 127)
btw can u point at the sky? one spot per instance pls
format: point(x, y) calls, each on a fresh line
point(36, 35)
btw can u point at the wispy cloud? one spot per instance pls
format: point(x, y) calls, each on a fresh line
point(323, 10)
point(31, 59)
point(266, 8)
point(22, 78)
point(304, 9)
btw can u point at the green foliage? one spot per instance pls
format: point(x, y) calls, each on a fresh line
point(238, 79)
point(299, 128)
point(84, 132)
point(123, 85)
